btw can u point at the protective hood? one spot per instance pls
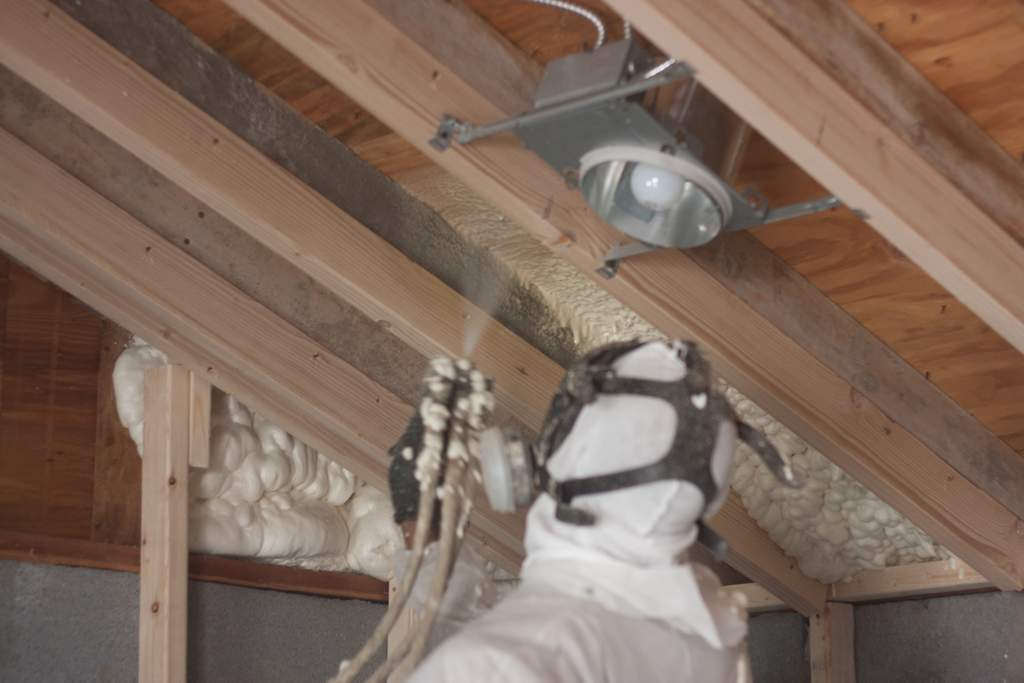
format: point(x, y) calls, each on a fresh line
point(644, 525)
point(629, 559)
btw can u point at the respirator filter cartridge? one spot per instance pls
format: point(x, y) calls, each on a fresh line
point(507, 469)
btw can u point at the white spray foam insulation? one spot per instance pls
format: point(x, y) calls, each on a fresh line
point(266, 494)
point(834, 527)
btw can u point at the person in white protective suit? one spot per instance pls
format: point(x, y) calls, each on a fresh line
point(635, 453)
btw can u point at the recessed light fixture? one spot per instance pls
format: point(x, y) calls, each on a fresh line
point(632, 170)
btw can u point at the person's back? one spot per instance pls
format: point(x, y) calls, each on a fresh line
point(539, 633)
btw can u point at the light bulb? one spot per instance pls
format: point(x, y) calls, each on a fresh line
point(654, 187)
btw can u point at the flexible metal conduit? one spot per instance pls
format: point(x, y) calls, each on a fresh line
point(581, 11)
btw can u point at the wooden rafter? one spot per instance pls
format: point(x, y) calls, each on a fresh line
point(827, 90)
point(123, 269)
point(409, 84)
point(353, 262)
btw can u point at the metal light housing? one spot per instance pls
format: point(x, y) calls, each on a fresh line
point(589, 125)
point(703, 207)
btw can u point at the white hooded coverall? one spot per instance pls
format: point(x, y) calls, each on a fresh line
point(610, 602)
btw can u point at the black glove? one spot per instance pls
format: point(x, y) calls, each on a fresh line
point(405, 490)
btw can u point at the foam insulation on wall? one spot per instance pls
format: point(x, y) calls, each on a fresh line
point(266, 494)
point(834, 527)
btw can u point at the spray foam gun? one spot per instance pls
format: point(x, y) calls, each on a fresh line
point(434, 468)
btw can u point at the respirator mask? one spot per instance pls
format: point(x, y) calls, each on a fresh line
point(515, 471)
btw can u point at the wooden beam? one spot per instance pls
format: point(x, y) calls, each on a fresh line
point(908, 581)
point(943, 577)
point(874, 371)
point(199, 394)
point(828, 91)
point(401, 80)
point(761, 560)
point(163, 567)
point(364, 269)
point(117, 468)
point(227, 570)
point(766, 283)
point(273, 206)
point(124, 270)
point(121, 268)
point(758, 598)
point(404, 628)
point(831, 645)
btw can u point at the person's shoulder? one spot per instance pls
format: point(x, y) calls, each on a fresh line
point(511, 654)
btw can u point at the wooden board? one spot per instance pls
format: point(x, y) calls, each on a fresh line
point(199, 395)
point(106, 258)
point(364, 269)
point(971, 52)
point(912, 580)
point(817, 82)
point(163, 565)
point(117, 475)
point(896, 301)
point(48, 414)
point(393, 79)
point(760, 558)
point(545, 33)
point(5, 280)
point(277, 370)
point(831, 645)
point(228, 570)
point(274, 207)
point(758, 599)
point(274, 67)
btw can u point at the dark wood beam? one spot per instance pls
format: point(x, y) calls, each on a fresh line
point(409, 83)
point(71, 552)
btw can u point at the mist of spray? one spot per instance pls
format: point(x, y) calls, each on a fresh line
point(486, 292)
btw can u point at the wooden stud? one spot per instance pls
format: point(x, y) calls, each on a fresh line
point(411, 293)
point(403, 629)
point(832, 646)
point(163, 568)
point(117, 468)
point(410, 83)
point(198, 421)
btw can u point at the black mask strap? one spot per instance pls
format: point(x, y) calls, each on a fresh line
point(687, 459)
point(766, 451)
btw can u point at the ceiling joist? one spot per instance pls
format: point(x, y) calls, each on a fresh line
point(92, 249)
point(827, 90)
point(202, 156)
point(409, 82)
